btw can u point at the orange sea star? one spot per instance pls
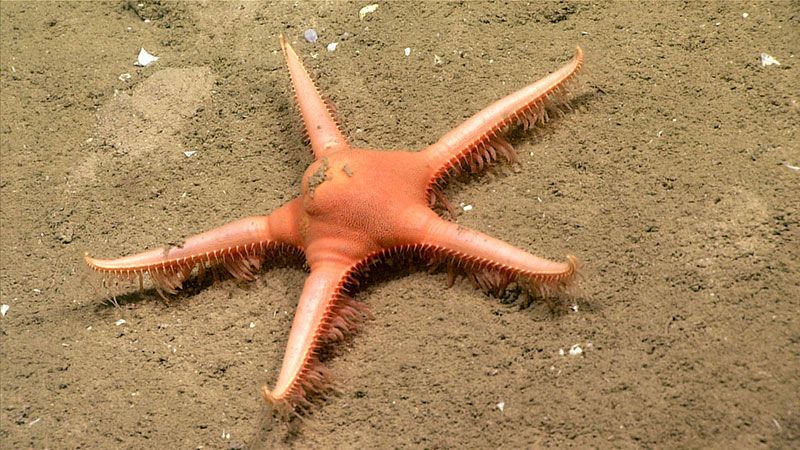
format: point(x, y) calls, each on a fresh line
point(358, 207)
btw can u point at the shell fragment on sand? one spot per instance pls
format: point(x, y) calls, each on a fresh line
point(366, 10)
point(767, 60)
point(310, 35)
point(144, 58)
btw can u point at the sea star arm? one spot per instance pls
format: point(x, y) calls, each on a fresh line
point(325, 313)
point(480, 137)
point(318, 114)
point(239, 247)
point(491, 263)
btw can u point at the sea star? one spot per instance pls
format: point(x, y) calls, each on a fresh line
point(357, 208)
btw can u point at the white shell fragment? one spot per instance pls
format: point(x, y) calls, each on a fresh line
point(575, 350)
point(366, 10)
point(120, 322)
point(144, 58)
point(188, 154)
point(4, 310)
point(767, 60)
point(125, 77)
point(501, 405)
point(407, 51)
point(332, 46)
point(468, 208)
point(310, 35)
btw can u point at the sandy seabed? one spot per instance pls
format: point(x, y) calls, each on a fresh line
point(674, 180)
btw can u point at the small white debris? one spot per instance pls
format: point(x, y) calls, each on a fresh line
point(310, 35)
point(501, 406)
point(190, 153)
point(4, 310)
point(437, 60)
point(777, 425)
point(366, 10)
point(745, 15)
point(561, 351)
point(468, 208)
point(793, 167)
point(89, 140)
point(89, 328)
point(146, 20)
point(407, 51)
point(575, 350)
point(767, 60)
point(575, 307)
point(252, 325)
point(120, 322)
point(38, 291)
point(125, 77)
point(332, 46)
point(37, 421)
point(144, 58)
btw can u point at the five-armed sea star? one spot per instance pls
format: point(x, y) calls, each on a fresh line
point(357, 208)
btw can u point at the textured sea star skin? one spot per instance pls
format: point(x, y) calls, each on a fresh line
point(357, 208)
